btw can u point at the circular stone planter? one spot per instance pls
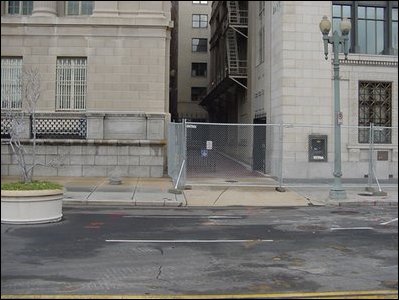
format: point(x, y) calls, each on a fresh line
point(31, 207)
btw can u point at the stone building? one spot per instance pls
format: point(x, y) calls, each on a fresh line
point(190, 58)
point(104, 68)
point(269, 67)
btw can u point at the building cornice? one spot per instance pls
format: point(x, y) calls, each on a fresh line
point(363, 62)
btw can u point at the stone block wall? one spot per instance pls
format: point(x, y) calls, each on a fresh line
point(138, 159)
point(133, 144)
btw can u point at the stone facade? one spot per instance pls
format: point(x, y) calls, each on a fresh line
point(126, 44)
point(293, 84)
point(185, 56)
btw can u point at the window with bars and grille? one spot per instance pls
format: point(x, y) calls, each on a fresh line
point(71, 83)
point(375, 106)
point(11, 72)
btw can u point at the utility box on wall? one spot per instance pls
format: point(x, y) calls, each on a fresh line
point(318, 148)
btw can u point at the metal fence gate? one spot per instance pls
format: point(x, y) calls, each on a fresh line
point(217, 153)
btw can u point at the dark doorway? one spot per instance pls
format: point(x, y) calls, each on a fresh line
point(259, 145)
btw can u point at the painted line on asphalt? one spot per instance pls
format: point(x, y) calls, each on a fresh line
point(186, 241)
point(352, 228)
point(225, 217)
point(185, 217)
point(385, 223)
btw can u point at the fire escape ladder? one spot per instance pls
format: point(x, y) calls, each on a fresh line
point(234, 14)
point(237, 69)
point(232, 52)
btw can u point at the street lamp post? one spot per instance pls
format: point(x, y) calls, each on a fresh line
point(336, 191)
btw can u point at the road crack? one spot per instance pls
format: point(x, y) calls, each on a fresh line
point(159, 272)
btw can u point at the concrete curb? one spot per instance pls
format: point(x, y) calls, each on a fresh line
point(368, 203)
point(146, 203)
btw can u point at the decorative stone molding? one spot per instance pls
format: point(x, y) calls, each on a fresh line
point(365, 62)
point(44, 8)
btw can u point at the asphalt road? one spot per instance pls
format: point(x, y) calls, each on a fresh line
point(131, 251)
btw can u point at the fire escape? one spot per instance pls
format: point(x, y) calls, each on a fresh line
point(237, 25)
point(228, 45)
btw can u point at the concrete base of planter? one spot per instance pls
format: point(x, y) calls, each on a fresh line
point(31, 207)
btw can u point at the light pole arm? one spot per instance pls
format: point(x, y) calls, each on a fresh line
point(326, 41)
point(346, 46)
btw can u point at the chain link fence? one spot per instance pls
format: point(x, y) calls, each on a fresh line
point(279, 154)
point(176, 153)
point(232, 152)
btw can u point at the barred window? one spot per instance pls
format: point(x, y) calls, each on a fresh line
point(375, 106)
point(75, 8)
point(71, 78)
point(20, 7)
point(11, 71)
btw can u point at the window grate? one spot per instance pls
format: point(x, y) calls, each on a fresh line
point(11, 69)
point(71, 84)
point(375, 106)
point(55, 128)
point(5, 128)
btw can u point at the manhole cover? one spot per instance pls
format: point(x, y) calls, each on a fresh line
point(344, 212)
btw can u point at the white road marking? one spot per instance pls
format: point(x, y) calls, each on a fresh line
point(224, 217)
point(353, 228)
point(385, 223)
point(186, 217)
point(185, 241)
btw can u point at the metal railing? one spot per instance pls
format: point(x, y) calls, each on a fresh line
point(60, 128)
point(51, 126)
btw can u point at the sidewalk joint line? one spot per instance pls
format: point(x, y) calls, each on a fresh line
point(135, 188)
point(217, 199)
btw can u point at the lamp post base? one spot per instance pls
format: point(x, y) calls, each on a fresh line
point(337, 194)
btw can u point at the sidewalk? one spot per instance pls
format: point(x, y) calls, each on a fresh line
point(158, 192)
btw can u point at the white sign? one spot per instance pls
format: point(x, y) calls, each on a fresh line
point(340, 118)
point(208, 145)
